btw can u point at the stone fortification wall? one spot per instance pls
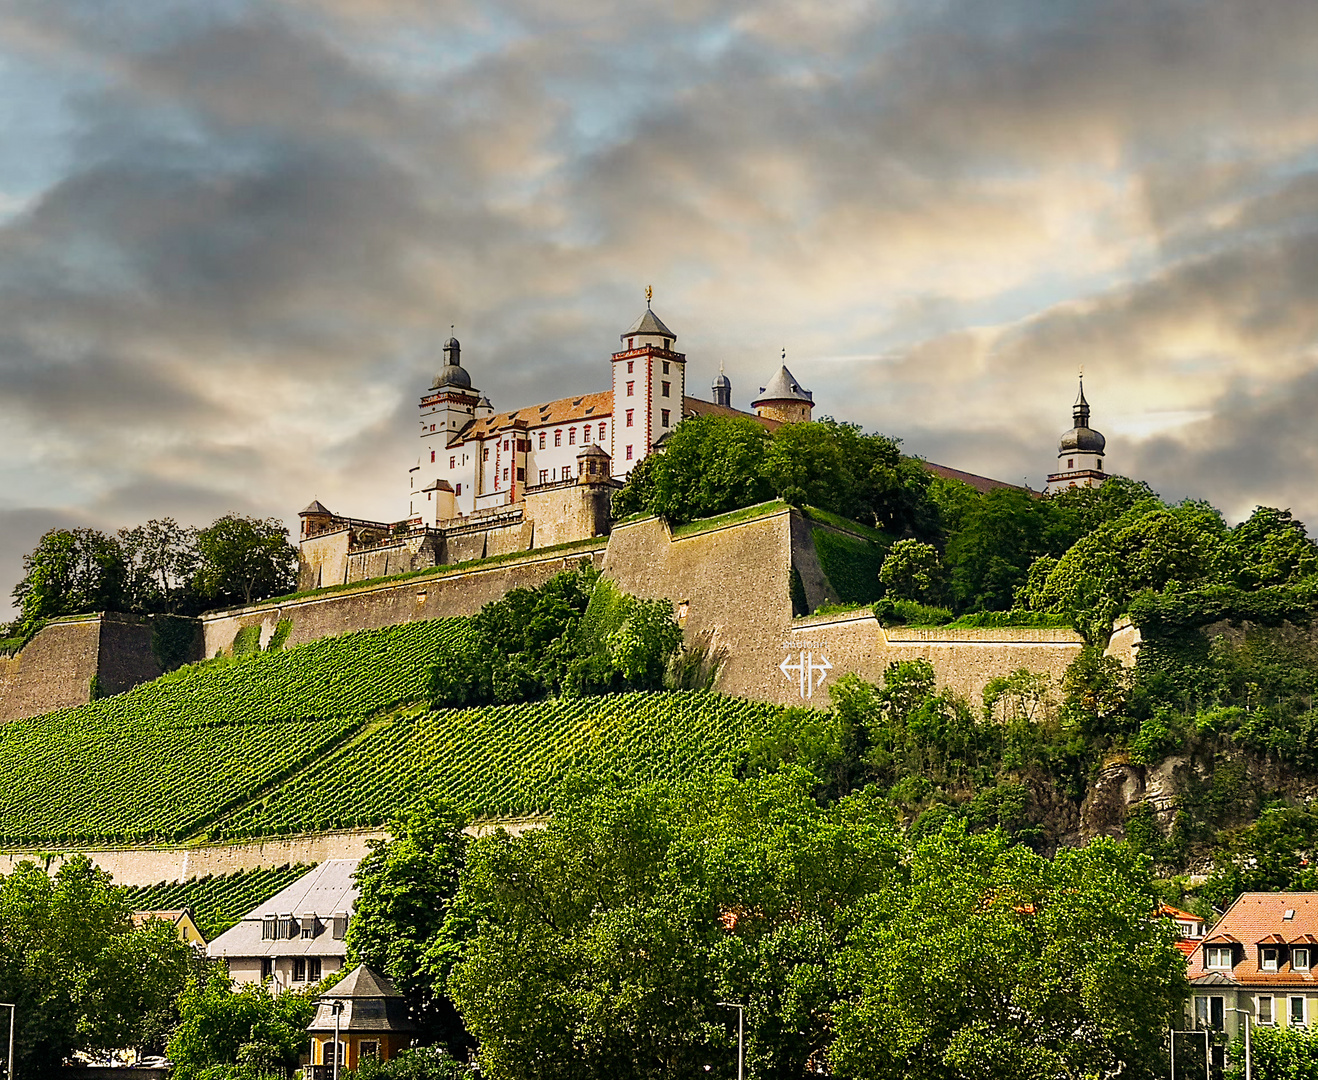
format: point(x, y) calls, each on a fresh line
point(735, 584)
point(387, 603)
point(569, 511)
point(56, 668)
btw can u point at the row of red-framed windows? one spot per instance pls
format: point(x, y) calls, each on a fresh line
point(572, 435)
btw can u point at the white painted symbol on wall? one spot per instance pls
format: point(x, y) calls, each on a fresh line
point(804, 671)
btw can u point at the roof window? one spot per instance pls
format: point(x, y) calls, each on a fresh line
point(1289, 914)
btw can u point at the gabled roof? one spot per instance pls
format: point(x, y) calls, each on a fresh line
point(1260, 919)
point(324, 891)
point(649, 323)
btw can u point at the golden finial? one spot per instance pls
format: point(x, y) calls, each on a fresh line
point(649, 295)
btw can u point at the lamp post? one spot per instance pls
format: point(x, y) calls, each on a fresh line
point(9, 1061)
point(741, 1036)
point(1245, 1013)
point(337, 1007)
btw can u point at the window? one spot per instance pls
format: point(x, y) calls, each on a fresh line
point(665, 367)
point(665, 415)
point(1298, 1010)
point(313, 969)
point(544, 476)
point(1265, 1011)
point(521, 475)
point(1300, 959)
point(485, 454)
point(631, 366)
point(1070, 463)
point(457, 490)
point(1209, 1011)
point(542, 440)
point(308, 927)
point(1217, 957)
point(631, 388)
point(629, 345)
point(667, 342)
point(267, 968)
point(505, 446)
point(340, 925)
point(553, 474)
point(300, 969)
point(630, 413)
point(432, 427)
point(269, 928)
point(368, 1050)
point(558, 438)
point(505, 474)
point(1268, 958)
point(665, 389)
point(572, 436)
point(629, 453)
point(287, 927)
point(601, 432)
point(432, 455)
point(1100, 464)
point(452, 461)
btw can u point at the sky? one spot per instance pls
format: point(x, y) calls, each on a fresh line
point(235, 233)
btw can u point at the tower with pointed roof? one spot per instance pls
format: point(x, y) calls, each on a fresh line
point(784, 399)
point(722, 389)
point(1080, 451)
point(649, 389)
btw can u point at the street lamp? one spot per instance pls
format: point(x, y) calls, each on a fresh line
point(9, 1061)
point(1208, 1057)
point(1245, 1014)
point(337, 1008)
point(741, 1036)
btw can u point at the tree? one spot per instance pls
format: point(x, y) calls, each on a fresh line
point(1000, 537)
point(709, 465)
point(912, 570)
point(1268, 548)
point(82, 977)
point(988, 960)
point(804, 465)
point(162, 563)
point(70, 572)
point(250, 1026)
point(401, 919)
point(245, 559)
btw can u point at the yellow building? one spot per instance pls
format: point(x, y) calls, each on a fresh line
point(366, 1014)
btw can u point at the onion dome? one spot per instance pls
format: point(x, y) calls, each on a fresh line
point(453, 374)
point(722, 387)
point(1081, 438)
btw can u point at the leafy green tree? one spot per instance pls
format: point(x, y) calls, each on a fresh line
point(913, 570)
point(710, 464)
point(81, 976)
point(242, 559)
point(162, 562)
point(805, 465)
point(1268, 548)
point(988, 960)
point(249, 1027)
point(70, 572)
point(999, 538)
point(1276, 1053)
point(401, 923)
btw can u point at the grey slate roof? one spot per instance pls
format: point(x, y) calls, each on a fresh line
point(362, 982)
point(316, 507)
point(370, 1005)
point(323, 891)
point(649, 323)
point(783, 387)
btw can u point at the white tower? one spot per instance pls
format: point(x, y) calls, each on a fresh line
point(1079, 452)
point(649, 389)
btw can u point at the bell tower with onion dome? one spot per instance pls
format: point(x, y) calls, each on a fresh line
point(1080, 451)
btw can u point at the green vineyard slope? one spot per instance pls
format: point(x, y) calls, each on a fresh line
point(503, 760)
point(168, 757)
point(217, 902)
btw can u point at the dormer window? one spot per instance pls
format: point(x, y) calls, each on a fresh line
point(1268, 958)
point(287, 927)
point(1299, 959)
point(340, 925)
point(269, 928)
point(1217, 957)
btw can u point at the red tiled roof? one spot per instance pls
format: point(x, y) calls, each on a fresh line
point(697, 407)
point(982, 484)
point(563, 411)
point(1259, 918)
point(1186, 946)
point(1177, 913)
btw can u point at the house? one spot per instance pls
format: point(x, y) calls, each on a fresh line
point(1189, 927)
point(366, 1014)
point(1258, 961)
point(296, 937)
point(180, 918)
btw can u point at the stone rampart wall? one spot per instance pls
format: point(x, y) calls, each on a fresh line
point(736, 584)
point(386, 603)
point(56, 668)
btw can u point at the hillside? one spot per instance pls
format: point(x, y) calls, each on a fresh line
point(327, 735)
point(219, 901)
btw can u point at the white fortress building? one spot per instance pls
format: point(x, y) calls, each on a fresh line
point(488, 482)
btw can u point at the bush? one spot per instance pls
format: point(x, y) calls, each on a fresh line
point(247, 640)
point(909, 613)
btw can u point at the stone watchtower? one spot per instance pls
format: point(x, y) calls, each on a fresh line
point(784, 399)
point(1079, 452)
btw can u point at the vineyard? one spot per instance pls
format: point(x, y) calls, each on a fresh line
point(167, 758)
point(503, 760)
point(217, 902)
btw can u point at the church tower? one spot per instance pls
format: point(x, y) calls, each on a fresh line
point(722, 388)
point(1079, 452)
point(649, 389)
